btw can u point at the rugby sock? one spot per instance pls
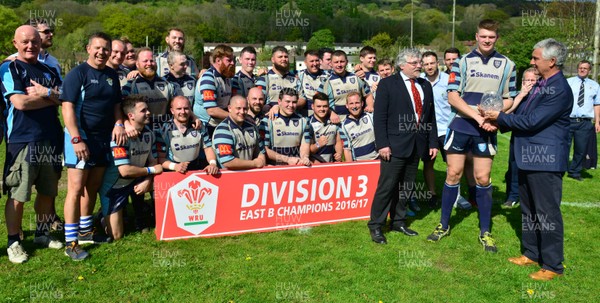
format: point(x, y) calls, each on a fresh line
point(484, 200)
point(13, 238)
point(85, 224)
point(71, 232)
point(449, 195)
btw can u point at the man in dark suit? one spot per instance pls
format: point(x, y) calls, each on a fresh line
point(404, 122)
point(540, 128)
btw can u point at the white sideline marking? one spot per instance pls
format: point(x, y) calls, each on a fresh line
point(582, 204)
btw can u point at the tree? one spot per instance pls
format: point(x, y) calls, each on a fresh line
point(384, 45)
point(9, 23)
point(321, 38)
point(518, 44)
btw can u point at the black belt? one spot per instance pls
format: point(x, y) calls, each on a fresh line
point(582, 119)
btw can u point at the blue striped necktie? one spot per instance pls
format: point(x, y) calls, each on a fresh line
point(581, 93)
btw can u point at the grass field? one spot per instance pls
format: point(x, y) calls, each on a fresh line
point(329, 263)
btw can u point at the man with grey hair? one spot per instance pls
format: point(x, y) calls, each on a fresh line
point(177, 75)
point(404, 122)
point(540, 127)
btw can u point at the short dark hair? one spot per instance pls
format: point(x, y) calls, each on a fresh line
point(489, 24)
point(429, 54)
point(130, 101)
point(367, 50)
point(385, 61)
point(339, 53)
point(279, 48)
point(248, 49)
point(323, 51)
point(451, 50)
point(101, 35)
point(287, 91)
point(311, 52)
point(584, 62)
point(320, 96)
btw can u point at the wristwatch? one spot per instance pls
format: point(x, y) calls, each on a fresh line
point(76, 140)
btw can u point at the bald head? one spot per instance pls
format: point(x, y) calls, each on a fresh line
point(27, 41)
point(256, 100)
point(238, 108)
point(181, 109)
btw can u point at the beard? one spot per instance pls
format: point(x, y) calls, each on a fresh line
point(148, 73)
point(281, 69)
point(227, 71)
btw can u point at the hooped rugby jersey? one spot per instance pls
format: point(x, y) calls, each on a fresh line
point(158, 91)
point(338, 87)
point(328, 129)
point(185, 84)
point(284, 135)
point(473, 75)
point(232, 141)
point(138, 151)
point(309, 85)
point(242, 83)
point(359, 137)
point(215, 91)
point(272, 83)
point(182, 147)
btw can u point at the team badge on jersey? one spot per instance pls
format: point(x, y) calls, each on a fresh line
point(375, 78)
point(251, 133)
point(190, 85)
point(352, 80)
point(47, 76)
point(365, 119)
point(109, 80)
point(194, 133)
point(482, 147)
point(121, 76)
point(147, 138)
point(291, 80)
point(296, 122)
point(160, 86)
point(497, 63)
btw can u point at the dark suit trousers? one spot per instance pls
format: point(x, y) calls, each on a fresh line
point(580, 134)
point(397, 170)
point(591, 157)
point(542, 224)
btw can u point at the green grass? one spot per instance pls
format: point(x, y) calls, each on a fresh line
point(329, 263)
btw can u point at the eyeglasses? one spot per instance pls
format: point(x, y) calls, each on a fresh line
point(47, 31)
point(414, 63)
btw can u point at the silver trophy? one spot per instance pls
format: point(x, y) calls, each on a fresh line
point(491, 100)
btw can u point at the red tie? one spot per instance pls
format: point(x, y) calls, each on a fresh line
point(416, 98)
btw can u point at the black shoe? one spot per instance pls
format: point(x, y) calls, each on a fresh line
point(405, 230)
point(377, 236)
point(432, 201)
point(578, 178)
